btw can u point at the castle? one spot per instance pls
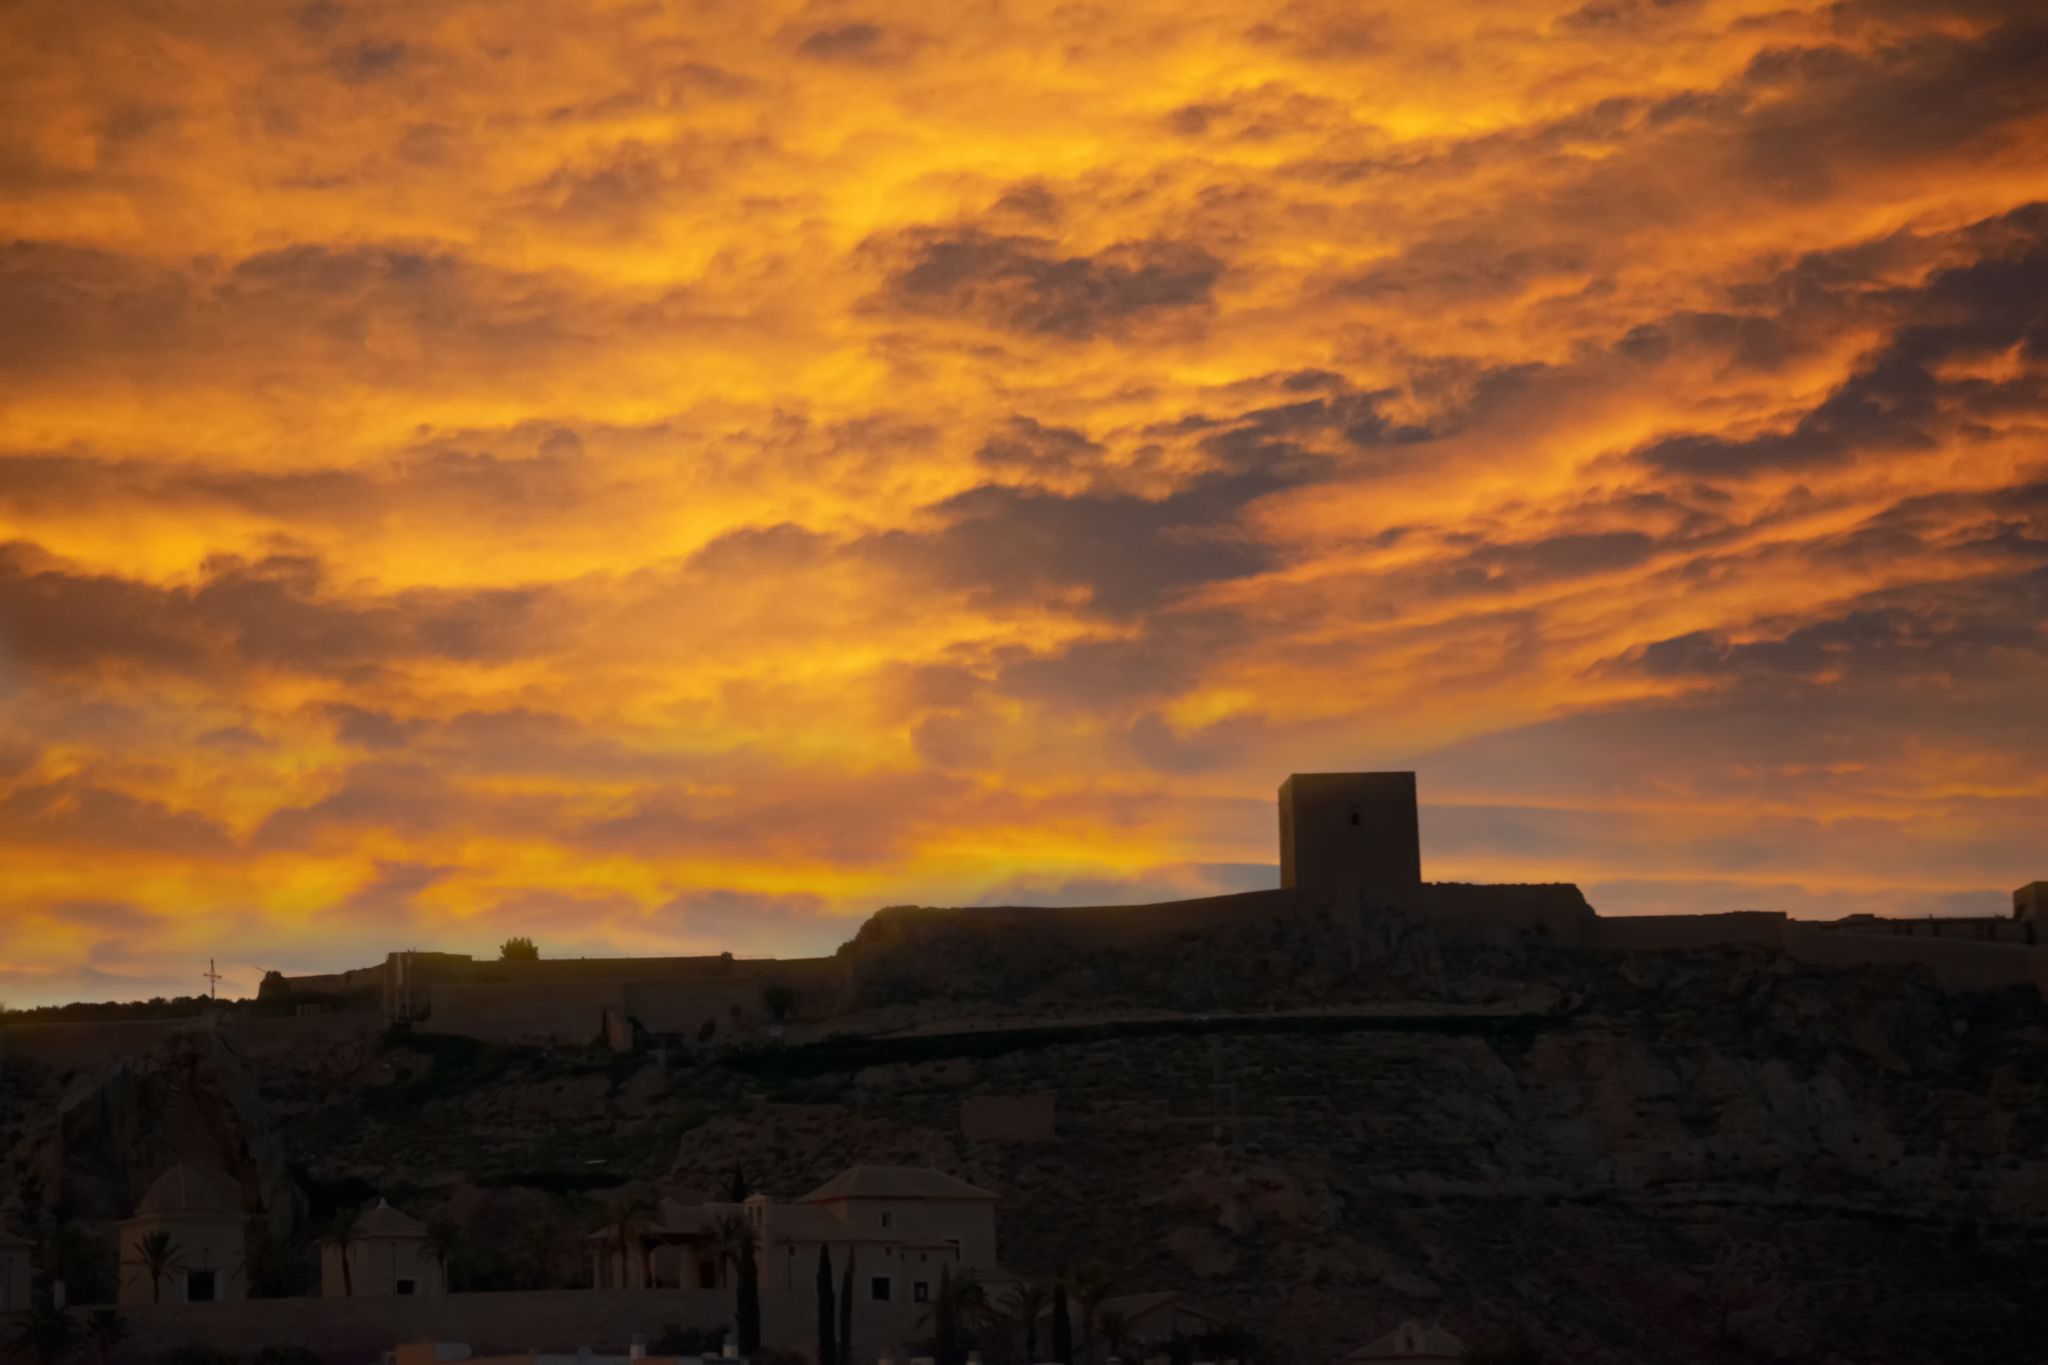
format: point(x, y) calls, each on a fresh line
point(1349, 844)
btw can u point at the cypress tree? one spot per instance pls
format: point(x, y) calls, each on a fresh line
point(828, 1346)
point(1062, 1327)
point(749, 1307)
point(846, 1312)
point(736, 1185)
point(945, 1320)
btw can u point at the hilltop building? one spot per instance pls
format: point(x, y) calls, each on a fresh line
point(203, 1217)
point(15, 1273)
point(388, 1255)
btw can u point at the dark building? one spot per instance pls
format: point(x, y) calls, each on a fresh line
point(1350, 829)
point(2030, 903)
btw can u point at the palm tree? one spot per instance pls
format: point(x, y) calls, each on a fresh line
point(105, 1329)
point(342, 1236)
point(1024, 1305)
point(1089, 1287)
point(44, 1333)
point(630, 1215)
point(731, 1235)
point(160, 1258)
point(543, 1247)
point(444, 1241)
point(959, 1307)
point(1116, 1332)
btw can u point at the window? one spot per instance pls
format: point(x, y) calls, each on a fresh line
point(199, 1286)
point(921, 1292)
point(1354, 817)
point(878, 1289)
point(888, 1219)
point(707, 1274)
point(406, 1289)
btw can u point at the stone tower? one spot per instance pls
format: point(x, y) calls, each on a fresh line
point(1350, 829)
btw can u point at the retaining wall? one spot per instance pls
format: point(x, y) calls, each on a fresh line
point(347, 1331)
point(362, 1329)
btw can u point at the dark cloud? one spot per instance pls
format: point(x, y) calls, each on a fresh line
point(1898, 399)
point(857, 42)
point(1933, 631)
point(1467, 269)
point(361, 63)
point(74, 812)
point(276, 613)
point(1020, 284)
point(1817, 112)
point(1031, 448)
point(1129, 554)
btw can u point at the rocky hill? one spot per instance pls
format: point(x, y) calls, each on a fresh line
point(1687, 1157)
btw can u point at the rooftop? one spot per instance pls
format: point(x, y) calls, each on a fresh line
point(385, 1221)
point(894, 1182)
point(184, 1191)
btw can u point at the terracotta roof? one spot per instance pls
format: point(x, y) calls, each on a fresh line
point(1132, 1307)
point(1412, 1341)
point(894, 1182)
point(182, 1190)
point(802, 1223)
point(385, 1221)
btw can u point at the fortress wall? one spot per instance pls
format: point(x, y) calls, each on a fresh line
point(574, 1010)
point(1653, 933)
point(669, 1007)
point(358, 1329)
point(1557, 909)
point(1959, 964)
point(557, 970)
point(1125, 926)
point(339, 983)
point(560, 1012)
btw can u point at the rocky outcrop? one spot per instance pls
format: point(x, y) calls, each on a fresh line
point(191, 1100)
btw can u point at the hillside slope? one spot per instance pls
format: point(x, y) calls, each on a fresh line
point(1685, 1157)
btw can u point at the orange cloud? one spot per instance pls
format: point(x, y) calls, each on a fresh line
point(674, 479)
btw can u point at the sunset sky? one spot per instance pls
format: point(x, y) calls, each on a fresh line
point(664, 477)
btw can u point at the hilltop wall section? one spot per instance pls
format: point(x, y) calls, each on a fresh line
point(1557, 908)
point(1956, 963)
point(592, 1005)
